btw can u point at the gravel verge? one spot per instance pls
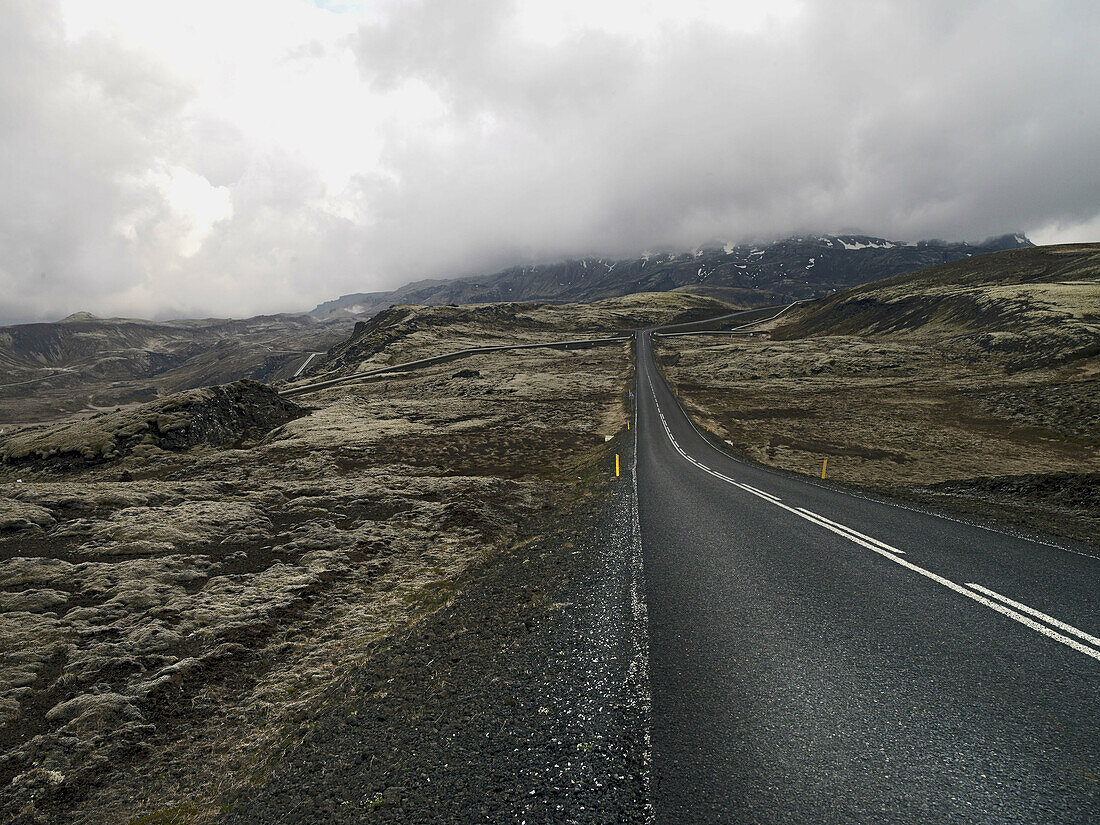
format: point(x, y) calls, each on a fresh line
point(525, 699)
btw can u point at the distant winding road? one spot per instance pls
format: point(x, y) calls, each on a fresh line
point(819, 657)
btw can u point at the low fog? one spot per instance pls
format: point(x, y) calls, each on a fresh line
point(167, 159)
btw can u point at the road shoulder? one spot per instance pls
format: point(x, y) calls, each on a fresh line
point(525, 698)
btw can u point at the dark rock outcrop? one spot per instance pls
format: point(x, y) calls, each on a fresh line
point(220, 416)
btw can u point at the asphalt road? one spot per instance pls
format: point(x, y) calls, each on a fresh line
point(921, 669)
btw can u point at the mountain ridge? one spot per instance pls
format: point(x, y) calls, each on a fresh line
point(797, 267)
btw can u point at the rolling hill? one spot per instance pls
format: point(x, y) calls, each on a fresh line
point(84, 362)
point(972, 387)
point(1030, 307)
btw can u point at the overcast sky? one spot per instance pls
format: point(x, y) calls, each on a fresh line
point(232, 157)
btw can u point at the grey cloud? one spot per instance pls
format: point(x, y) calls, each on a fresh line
point(469, 53)
point(76, 137)
point(906, 119)
point(82, 127)
point(932, 119)
point(216, 150)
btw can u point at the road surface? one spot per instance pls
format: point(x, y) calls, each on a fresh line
point(819, 657)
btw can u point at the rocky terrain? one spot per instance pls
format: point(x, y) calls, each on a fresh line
point(91, 365)
point(525, 700)
point(223, 604)
point(973, 386)
point(751, 274)
point(183, 581)
point(406, 332)
point(220, 416)
point(87, 364)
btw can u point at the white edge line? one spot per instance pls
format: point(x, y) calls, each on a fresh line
point(641, 631)
point(894, 557)
point(901, 505)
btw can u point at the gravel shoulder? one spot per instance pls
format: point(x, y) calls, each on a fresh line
point(523, 700)
point(182, 586)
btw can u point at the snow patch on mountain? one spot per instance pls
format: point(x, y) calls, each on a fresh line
point(871, 244)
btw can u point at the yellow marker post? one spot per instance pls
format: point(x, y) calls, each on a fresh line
point(824, 464)
point(628, 425)
point(616, 465)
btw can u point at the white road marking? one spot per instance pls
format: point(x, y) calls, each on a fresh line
point(761, 493)
point(901, 506)
point(639, 666)
point(894, 555)
point(854, 532)
point(1068, 628)
point(847, 532)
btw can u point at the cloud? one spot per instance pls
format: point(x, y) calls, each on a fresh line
point(190, 159)
point(72, 154)
point(904, 119)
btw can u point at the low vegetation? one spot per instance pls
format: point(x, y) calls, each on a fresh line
point(181, 581)
point(182, 577)
point(50, 371)
point(404, 332)
point(973, 386)
point(222, 416)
